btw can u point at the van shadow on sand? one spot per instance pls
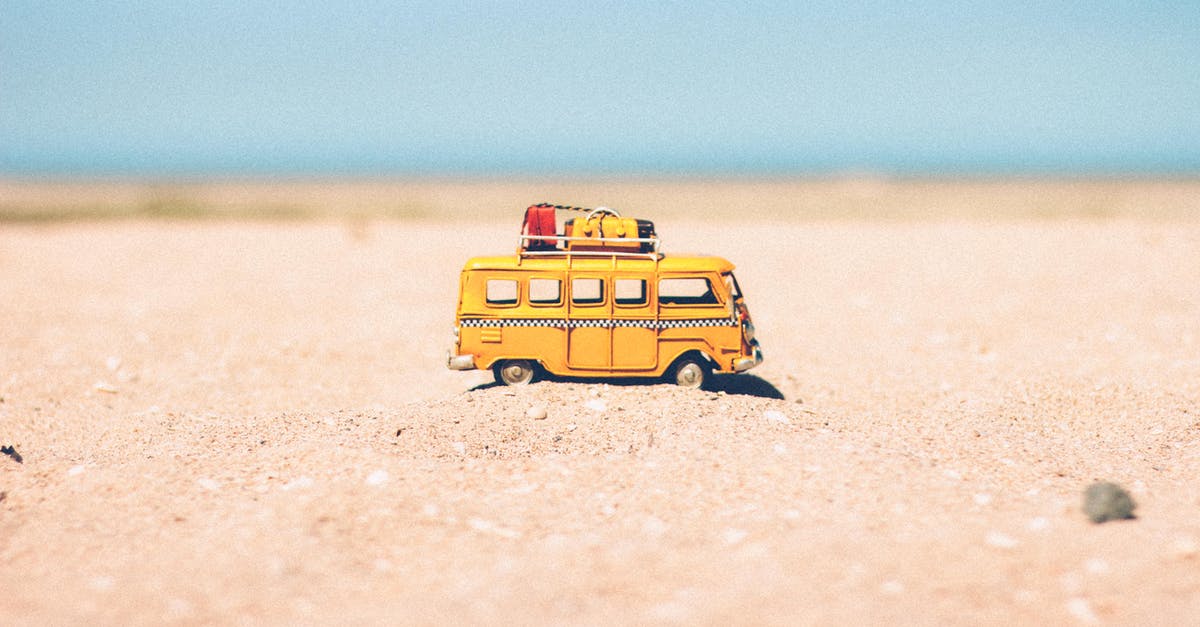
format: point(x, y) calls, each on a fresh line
point(735, 384)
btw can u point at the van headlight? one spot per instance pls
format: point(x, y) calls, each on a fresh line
point(748, 330)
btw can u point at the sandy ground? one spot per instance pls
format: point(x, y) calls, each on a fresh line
point(230, 422)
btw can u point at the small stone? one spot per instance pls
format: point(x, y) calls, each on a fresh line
point(1082, 611)
point(11, 452)
point(379, 477)
point(1024, 597)
point(487, 526)
point(654, 527)
point(776, 416)
point(1040, 523)
point(734, 536)
point(596, 404)
point(112, 363)
point(1000, 540)
point(982, 499)
point(298, 483)
point(208, 484)
point(460, 448)
point(75, 470)
point(107, 388)
point(892, 587)
point(1104, 501)
point(1185, 547)
point(1071, 582)
point(102, 583)
point(537, 412)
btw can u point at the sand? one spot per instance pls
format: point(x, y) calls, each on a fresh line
point(251, 422)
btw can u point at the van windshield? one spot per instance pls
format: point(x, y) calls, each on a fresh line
point(734, 291)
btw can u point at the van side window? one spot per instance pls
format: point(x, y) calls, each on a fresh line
point(686, 291)
point(545, 291)
point(629, 291)
point(587, 291)
point(501, 291)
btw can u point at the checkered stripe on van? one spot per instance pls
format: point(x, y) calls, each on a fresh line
point(598, 322)
point(513, 322)
point(699, 322)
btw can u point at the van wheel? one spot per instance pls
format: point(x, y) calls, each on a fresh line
point(691, 372)
point(514, 371)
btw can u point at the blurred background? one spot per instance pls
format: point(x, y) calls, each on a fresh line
point(391, 108)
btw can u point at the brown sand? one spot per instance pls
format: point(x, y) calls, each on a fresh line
point(228, 422)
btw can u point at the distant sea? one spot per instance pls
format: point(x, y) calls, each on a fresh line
point(730, 165)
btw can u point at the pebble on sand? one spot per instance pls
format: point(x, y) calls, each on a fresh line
point(776, 416)
point(734, 536)
point(1082, 611)
point(12, 453)
point(107, 388)
point(1185, 547)
point(1001, 540)
point(1104, 501)
point(379, 477)
point(537, 412)
point(298, 483)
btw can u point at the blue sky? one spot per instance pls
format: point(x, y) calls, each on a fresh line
point(623, 87)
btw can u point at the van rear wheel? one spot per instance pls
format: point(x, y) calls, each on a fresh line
point(691, 372)
point(514, 372)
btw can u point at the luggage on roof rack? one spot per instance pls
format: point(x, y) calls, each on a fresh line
point(601, 231)
point(540, 221)
point(609, 232)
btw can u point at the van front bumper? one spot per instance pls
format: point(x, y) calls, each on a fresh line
point(743, 364)
point(460, 362)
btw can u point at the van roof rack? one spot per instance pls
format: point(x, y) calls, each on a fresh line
point(539, 243)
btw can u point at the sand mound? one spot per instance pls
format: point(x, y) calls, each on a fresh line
point(583, 419)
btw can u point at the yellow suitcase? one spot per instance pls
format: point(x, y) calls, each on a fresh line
point(607, 232)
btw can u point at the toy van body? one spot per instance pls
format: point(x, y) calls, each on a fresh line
point(585, 308)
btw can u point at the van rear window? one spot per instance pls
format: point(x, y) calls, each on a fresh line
point(686, 291)
point(501, 292)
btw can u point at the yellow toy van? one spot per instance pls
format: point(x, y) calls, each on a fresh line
point(598, 299)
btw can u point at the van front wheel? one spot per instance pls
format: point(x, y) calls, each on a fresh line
point(514, 372)
point(691, 372)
